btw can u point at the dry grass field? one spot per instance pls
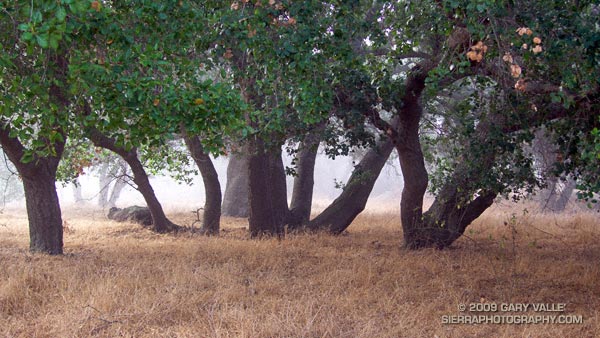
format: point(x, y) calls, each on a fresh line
point(119, 280)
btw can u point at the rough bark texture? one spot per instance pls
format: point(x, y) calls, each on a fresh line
point(451, 213)
point(415, 177)
point(212, 187)
point(304, 182)
point(235, 200)
point(265, 192)
point(160, 221)
point(43, 207)
point(43, 211)
point(338, 216)
point(279, 186)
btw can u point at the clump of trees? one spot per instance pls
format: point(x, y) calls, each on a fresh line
point(459, 87)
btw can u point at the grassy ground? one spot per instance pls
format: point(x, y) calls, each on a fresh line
point(121, 280)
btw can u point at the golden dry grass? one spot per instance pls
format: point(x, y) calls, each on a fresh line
point(121, 280)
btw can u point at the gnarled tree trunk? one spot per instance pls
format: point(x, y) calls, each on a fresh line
point(212, 187)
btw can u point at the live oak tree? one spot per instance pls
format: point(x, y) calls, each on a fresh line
point(91, 69)
point(517, 84)
point(36, 108)
point(492, 45)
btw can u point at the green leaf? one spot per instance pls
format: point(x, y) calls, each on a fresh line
point(61, 14)
point(26, 36)
point(42, 40)
point(27, 157)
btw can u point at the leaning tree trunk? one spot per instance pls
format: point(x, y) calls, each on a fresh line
point(267, 209)
point(235, 200)
point(304, 182)
point(160, 222)
point(43, 207)
point(338, 216)
point(212, 187)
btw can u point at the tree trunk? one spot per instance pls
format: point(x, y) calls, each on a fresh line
point(160, 221)
point(265, 192)
point(279, 186)
point(451, 213)
point(565, 195)
point(338, 216)
point(415, 177)
point(77, 193)
point(118, 186)
point(43, 211)
point(304, 182)
point(458, 203)
point(212, 187)
point(104, 184)
point(235, 200)
point(43, 207)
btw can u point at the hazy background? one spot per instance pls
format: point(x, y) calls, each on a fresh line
point(180, 196)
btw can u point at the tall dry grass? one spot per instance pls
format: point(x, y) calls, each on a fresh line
point(121, 280)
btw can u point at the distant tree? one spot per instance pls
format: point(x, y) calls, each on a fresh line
point(11, 188)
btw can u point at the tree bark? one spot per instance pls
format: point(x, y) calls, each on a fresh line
point(160, 221)
point(304, 182)
point(43, 211)
point(414, 174)
point(459, 202)
point(279, 186)
point(39, 175)
point(268, 209)
point(212, 187)
point(43, 207)
point(235, 200)
point(338, 216)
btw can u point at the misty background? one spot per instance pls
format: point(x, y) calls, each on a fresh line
point(330, 176)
